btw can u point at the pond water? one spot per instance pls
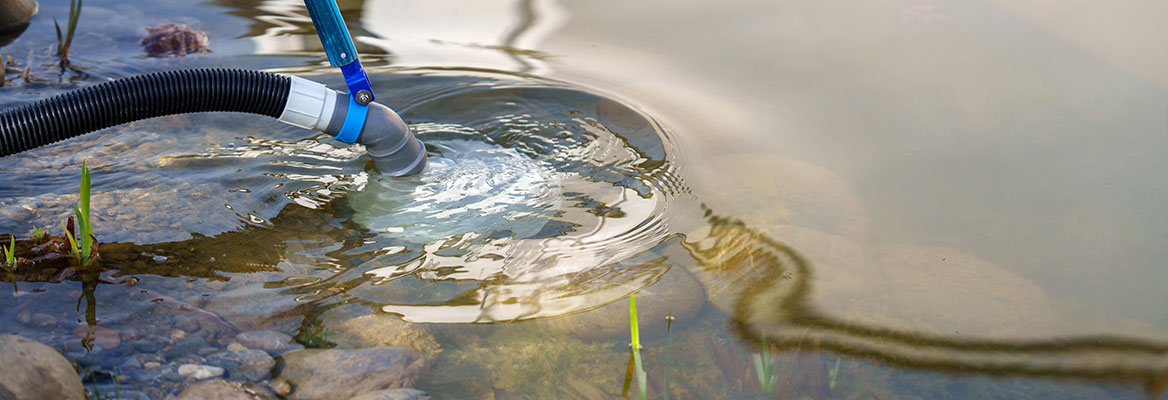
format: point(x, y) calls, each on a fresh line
point(895, 199)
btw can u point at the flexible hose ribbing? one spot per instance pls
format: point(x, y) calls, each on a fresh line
point(140, 97)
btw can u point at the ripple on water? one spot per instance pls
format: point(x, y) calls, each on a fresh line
point(541, 201)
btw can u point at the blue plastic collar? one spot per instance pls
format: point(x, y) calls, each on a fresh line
point(354, 122)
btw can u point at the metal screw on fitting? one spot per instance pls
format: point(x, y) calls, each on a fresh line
point(364, 97)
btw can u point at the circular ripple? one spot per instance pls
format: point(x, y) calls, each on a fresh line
point(542, 200)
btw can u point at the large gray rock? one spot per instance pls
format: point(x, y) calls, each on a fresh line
point(333, 374)
point(675, 292)
point(32, 370)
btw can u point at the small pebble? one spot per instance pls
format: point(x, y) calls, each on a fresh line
point(178, 334)
point(151, 364)
point(159, 259)
point(199, 372)
point(236, 346)
point(280, 387)
point(24, 317)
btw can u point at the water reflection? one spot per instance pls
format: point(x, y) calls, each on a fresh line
point(771, 286)
point(502, 35)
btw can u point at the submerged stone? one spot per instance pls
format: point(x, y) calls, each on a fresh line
point(270, 341)
point(333, 374)
point(394, 394)
point(250, 365)
point(221, 390)
point(379, 330)
point(197, 371)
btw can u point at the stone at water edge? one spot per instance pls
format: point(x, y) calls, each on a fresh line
point(32, 370)
point(14, 13)
point(341, 374)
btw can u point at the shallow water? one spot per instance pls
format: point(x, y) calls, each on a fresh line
point(931, 200)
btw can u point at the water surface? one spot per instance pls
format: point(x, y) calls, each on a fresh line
point(934, 200)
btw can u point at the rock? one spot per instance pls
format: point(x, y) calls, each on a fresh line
point(184, 347)
point(188, 324)
point(394, 394)
point(248, 364)
point(275, 343)
point(773, 191)
point(42, 320)
point(675, 292)
point(378, 330)
point(938, 290)
point(331, 374)
point(220, 390)
point(280, 387)
point(841, 270)
point(199, 372)
point(106, 337)
point(174, 40)
point(256, 308)
point(32, 370)
point(15, 13)
point(147, 346)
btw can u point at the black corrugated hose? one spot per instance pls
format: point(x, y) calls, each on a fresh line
point(140, 97)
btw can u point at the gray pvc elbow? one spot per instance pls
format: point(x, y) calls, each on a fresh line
point(395, 151)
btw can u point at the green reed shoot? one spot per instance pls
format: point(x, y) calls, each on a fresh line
point(63, 43)
point(642, 381)
point(832, 375)
point(764, 366)
point(38, 235)
point(83, 250)
point(10, 255)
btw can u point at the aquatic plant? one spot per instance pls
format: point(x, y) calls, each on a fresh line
point(642, 381)
point(84, 245)
point(64, 43)
point(832, 375)
point(10, 255)
point(38, 235)
point(764, 366)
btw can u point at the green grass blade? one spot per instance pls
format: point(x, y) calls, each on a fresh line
point(642, 380)
point(84, 225)
point(10, 254)
point(60, 40)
